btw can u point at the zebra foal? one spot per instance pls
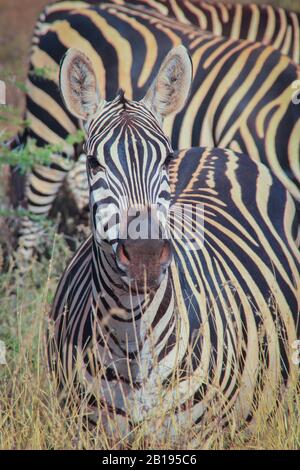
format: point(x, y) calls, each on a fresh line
point(198, 321)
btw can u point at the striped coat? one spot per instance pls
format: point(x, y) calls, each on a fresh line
point(220, 326)
point(266, 24)
point(262, 23)
point(241, 96)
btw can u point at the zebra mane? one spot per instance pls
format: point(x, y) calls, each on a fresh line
point(121, 96)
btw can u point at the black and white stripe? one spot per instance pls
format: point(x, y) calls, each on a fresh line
point(219, 327)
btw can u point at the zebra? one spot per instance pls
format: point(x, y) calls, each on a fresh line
point(262, 23)
point(253, 114)
point(193, 324)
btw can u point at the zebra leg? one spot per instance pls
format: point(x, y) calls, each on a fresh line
point(42, 186)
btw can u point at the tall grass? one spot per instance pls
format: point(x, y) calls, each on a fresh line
point(31, 416)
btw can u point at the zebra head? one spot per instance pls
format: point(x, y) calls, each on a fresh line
point(127, 162)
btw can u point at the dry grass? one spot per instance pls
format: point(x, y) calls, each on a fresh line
point(30, 414)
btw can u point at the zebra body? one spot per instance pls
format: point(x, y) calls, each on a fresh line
point(266, 24)
point(252, 113)
point(262, 23)
point(217, 327)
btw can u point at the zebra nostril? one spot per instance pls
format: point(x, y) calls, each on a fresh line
point(123, 255)
point(165, 255)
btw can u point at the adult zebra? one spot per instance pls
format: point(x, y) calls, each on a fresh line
point(252, 113)
point(267, 24)
point(200, 323)
point(263, 23)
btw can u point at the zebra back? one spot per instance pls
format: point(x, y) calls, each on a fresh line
point(267, 24)
point(241, 96)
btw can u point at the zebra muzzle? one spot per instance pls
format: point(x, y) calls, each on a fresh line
point(144, 262)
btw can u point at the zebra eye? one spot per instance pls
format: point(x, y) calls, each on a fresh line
point(94, 165)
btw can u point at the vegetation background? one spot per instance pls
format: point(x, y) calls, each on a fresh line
point(30, 416)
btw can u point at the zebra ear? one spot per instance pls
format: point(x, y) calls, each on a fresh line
point(78, 84)
point(170, 90)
